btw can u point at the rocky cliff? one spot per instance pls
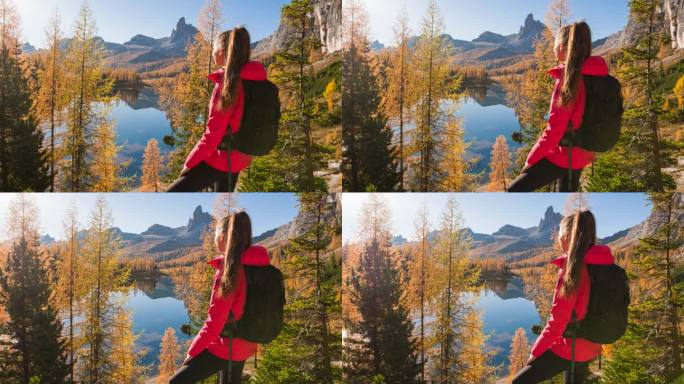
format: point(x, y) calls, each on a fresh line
point(325, 24)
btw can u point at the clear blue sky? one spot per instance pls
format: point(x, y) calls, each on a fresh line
point(119, 20)
point(135, 212)
point(487, 212)
point(466, 19)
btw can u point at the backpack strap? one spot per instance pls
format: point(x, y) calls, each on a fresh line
point(572, 348)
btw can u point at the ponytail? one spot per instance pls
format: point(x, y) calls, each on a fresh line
point(576, 38)
point(237, 230)
point(236, 46)
point(581, 227)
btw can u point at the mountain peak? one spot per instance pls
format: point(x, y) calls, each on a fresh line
point(183, 32)
point(550, 220)
point(531, 28)
point(199, 219)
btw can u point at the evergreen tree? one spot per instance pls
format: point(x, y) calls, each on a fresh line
point(126, 367)
point(636, 162)
point(454, 168)
point(105, 167)
point(652, 348)
point(22, 159)
point(37, 353)
point(380, 347)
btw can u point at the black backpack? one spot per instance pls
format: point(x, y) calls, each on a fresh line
point(262, 319)
point(606, 319)
point(260, 120)
point(602, 120)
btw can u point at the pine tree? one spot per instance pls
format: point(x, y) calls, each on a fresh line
point(520, 352)
point(101, 277)
point(152, 166)
point(126, 367)
point(636, 162)
point(22, 159)
point(433, 83)
point(369, 158)
point(653, 344)
point(84, 67)
point(499, 165)
point(37, 351)
point(169, 356)
point(380, 347)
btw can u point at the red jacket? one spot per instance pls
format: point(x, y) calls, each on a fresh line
point(209, 336)
point(547, 145)
point(205, 150)
point(561, 312)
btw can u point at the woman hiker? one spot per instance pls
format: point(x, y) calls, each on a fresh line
point(548, 161)
point(210, 353)
point(206, 165)
point(552, 353)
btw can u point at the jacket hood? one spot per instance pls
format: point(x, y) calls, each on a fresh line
point(254, 255)
point(253, 70)
point(596, 255)
point(593, 66)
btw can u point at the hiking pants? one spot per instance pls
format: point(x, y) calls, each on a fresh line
point(549, 365)
point(204, 365)
point(543, 173)
point(202, 176)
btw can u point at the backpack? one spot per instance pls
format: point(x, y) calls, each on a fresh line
point(606, 319)
point(602, 120)
point(260, 120)
point(262, 319)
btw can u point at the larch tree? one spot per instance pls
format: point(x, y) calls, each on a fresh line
point(369, 158)
point(105, 167)
point(396, 100)
point(520, 352)
point(169, 356)
point(125, 360)
point(454, 168)
point(101, 278)
point(453, 277)
point(432, 85)
point(557, 15)
point(499, 165)
point(576, 202)
point(69, 291)
point(151, 167)
point(84, 66)
point(185, 102)
point(420, 275)
point(210, 23)
point(50, 101)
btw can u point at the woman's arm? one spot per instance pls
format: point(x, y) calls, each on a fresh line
point(561, 312)
point(219, 307)
point(559, 118)
point(217, 123)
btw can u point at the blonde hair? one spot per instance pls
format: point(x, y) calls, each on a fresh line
point(236, 47)
point(581, 227)
point(576, 38)
point(237, 232)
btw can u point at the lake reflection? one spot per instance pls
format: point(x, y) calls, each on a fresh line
point(154, 308)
